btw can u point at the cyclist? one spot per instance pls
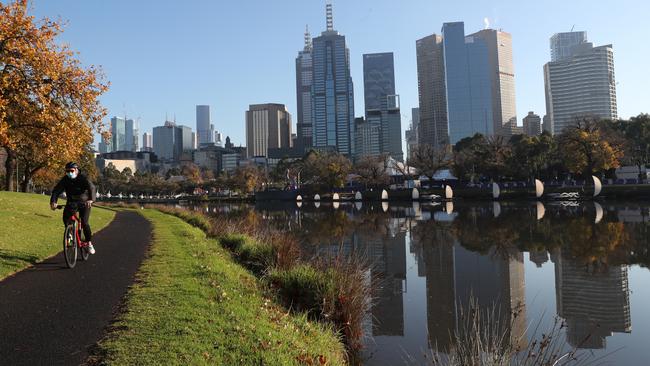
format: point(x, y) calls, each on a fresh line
point(80, 192)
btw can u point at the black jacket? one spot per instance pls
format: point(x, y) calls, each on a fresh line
point(79, 189)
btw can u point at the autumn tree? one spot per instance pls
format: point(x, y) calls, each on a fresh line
point(585, 150)
point(192, 172)
point(247, 179)
point(328, 170)
point(49, 105)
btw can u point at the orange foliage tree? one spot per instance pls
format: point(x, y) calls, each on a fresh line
point(585, 149)
point(49, 102)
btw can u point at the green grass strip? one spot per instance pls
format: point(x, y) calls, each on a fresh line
point(30, 232)
point(193, 305)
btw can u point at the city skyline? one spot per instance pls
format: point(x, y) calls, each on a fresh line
point(142, 95)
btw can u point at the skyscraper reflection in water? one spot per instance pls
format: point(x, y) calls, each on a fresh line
point(386, 249)
point(594, 300)
point(456, 276)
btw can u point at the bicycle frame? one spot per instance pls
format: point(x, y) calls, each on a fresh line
point(78, 226)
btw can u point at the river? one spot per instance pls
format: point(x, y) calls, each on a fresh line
point(584, 263)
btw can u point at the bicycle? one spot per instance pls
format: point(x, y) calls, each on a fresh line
point(72, 238)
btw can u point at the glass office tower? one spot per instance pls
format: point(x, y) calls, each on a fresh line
point(467, 77)
point(382, 104)
point(332, 92)
point(304, 77)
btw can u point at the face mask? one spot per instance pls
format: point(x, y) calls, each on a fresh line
point(71, 175)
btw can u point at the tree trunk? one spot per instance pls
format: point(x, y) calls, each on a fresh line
point(10, 169)
point(27, 176)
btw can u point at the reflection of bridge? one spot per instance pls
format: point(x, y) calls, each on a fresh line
point(595, 303)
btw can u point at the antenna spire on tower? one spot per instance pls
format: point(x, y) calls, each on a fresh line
point(330, 17)
point(308, 44)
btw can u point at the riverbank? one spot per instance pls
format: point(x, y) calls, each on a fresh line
point(192, 304)
point(31, 232)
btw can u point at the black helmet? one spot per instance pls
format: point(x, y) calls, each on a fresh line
point(71, 165)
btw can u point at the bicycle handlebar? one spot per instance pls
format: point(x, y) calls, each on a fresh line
point(71, 204)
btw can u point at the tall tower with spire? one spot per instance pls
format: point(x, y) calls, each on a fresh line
point(304, 76)
point(332, 95)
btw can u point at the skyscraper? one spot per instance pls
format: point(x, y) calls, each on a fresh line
point(304, 79)
point(367, 137)
point(104, 147)
point(131, 136)
point(532, 124)
point(204, 132)
point(468, 78)
point(502, 79)
point(433, 128)
point(563, 44)
point(171, 141)
point(381, 102)
point(412, 132)
point(122, 135)
point(268, 126)
point(580, 82)
point(332, 91)
point(147, 142)
point(546, 124)
point(164, 138)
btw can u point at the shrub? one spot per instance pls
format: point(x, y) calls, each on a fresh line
point(305, 289)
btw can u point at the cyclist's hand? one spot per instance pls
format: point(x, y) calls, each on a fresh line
point(53, 206)
point(89, 203)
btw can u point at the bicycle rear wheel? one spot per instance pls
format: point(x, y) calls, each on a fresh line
point(84, 253)
point(70, 246)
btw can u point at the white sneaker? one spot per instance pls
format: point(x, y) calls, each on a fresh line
point(91, 248)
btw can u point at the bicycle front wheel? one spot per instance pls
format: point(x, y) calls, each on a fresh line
point(70, 246)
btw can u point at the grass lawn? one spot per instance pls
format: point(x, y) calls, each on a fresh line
point(193, 305)
point(31, 232)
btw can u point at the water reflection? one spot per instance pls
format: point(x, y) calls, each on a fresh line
point(430, 259)
point(592, 298)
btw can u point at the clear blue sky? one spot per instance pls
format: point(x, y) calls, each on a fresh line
point(164, 57)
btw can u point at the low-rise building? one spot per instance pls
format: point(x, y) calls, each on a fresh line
point(136, 161)
point(211, 157)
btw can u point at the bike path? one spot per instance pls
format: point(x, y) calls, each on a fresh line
point(51, 315)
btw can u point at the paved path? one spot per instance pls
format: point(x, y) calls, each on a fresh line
point(51, 315)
